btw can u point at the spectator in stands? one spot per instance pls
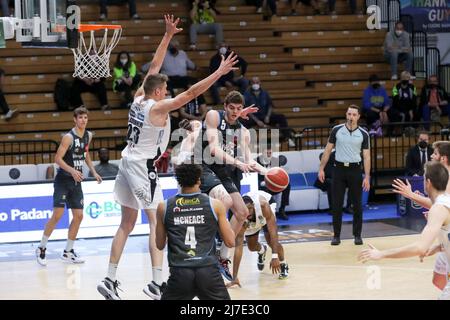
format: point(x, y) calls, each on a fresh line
point(259, 5)
point(397, 49)
point(433, 99)
point(203, 21)
point(9, 114)
point(265, 117)
point(229, 80)
point(376, 106)
point(404, 100)
point(126, 78)
point(267, 160)
point(195, 109)
point(5, 8)
point(418, 155)
point(104, 168)
point(332, 6)
point(312, 3)
point(50, 172)
point(105, 3)
point(176, 65)
point(95, 86)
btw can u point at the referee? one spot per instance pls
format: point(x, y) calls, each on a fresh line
point(350, 141)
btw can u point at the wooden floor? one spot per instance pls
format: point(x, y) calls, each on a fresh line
point(317, 271)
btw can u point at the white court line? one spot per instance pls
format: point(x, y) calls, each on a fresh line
point(358, 267)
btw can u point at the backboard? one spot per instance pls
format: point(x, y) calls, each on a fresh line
point(44, 23)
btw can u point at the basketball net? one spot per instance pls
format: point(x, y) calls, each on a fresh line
point(92, 61)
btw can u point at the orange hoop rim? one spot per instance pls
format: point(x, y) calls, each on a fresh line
point(95, 27)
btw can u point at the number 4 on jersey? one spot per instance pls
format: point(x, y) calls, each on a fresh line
point(190, 237)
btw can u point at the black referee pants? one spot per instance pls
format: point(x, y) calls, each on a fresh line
point(351, 178)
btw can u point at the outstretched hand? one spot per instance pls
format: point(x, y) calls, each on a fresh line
point(171, 25)
point(402, 188)
point(234, 282)
point(246, 111)
point(369, 254)
point(226, 65)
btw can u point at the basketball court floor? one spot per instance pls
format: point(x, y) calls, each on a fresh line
point(317, 270)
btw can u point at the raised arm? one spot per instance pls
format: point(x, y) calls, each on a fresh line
point(155, 65)
point(167, 105)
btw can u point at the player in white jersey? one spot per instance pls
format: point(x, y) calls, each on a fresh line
point(261, 216)
point(441, 153)
point(137, 185)
point(438, 223)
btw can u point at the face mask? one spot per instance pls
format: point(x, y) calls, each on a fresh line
point(398, 32)
point(405, 82)
point(375, 85)
point(255, 86)
point(173, 50)
point(423, 144)
point(223, 50)
point(123, 61)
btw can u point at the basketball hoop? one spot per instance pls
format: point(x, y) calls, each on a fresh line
point(92, 61)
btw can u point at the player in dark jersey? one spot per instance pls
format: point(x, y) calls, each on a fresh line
point(189, 221)
point(71, 155)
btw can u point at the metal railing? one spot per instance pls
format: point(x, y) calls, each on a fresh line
point(114, 144)
point(444, 76)
point(27, 151)
point(388, 152)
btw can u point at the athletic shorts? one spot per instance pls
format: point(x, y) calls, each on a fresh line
point(137, 185)
point(206, 283)
point(213, 176)
point(67, 192)
point(441, 264)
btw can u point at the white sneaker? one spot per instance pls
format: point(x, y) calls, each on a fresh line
point(11, 114)
point(71, 256)
point(40, 256)
point(108, 289)
point(291, 143)
point(154, 291)
point(394, 77)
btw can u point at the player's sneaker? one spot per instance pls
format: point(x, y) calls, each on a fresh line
point(224, 268)
point(40, 256)
point(71, 256)
point(108, 289)
point(262, 258)
point(284, 273)
point(154, 291)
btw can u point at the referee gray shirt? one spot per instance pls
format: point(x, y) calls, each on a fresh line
point(349, 144)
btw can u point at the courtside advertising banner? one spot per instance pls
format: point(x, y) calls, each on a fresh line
point(25, 209)
point(428, 15)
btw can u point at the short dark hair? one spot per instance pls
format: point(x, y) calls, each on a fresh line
point(234, 97)
point(443, 148)
point(79, 111)
point(247, 200)
point(423, 132)
point(354, 106)
point(187, 175)
point(398, 22)
point(437, 173)
point(154, 81)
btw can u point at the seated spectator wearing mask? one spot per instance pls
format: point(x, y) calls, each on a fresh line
point(397, 49)
point(404, 100)
point(375, 103)
point(126, 78)
point(433, 99)
point(418, 155)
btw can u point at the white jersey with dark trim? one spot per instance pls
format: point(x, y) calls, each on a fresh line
point(260, 220)
point(444, 236)
point(144, 140)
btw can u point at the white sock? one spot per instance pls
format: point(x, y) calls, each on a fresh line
point(69, 245)
point(112, 269)
point(283, 262)
point(44, 241)
point(225, 252)
point(157, 275)
point(261, 251)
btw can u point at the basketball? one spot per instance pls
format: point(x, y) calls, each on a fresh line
point(276, 179)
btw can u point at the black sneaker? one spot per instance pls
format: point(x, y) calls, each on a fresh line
point(284, 271)
point(262, 258)
point(336, 241)
point(224, 267)
point(40, 256)
point(358, 241)
point(282, 215)
point(108, 289)
point(71, 256)
point(155, 291)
